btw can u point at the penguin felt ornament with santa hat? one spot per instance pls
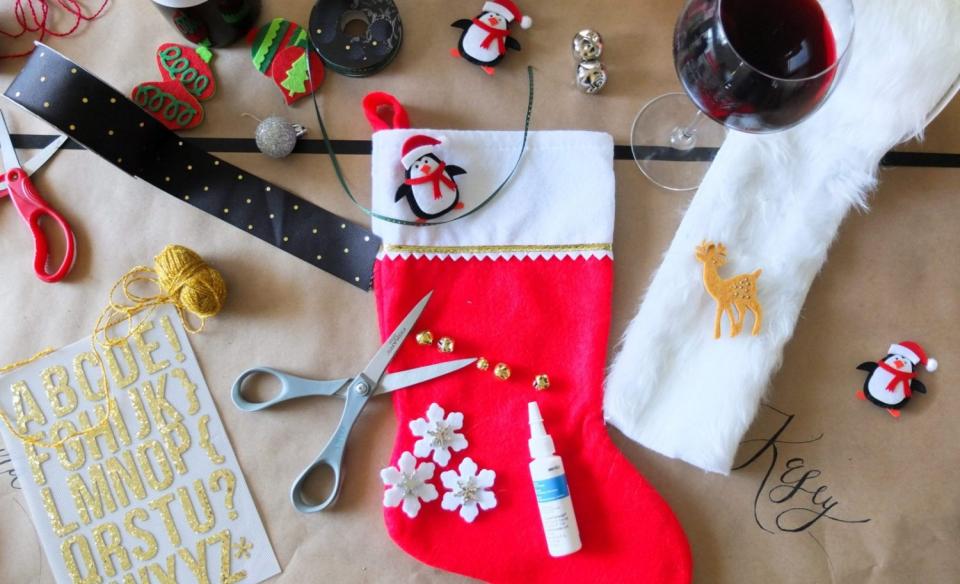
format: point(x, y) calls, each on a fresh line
point(892, 380)
point(428, 186)
point(486, 38)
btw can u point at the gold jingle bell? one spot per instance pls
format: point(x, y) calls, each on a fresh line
point(425, 338)
point(541, 382)
point(483, 364)
point(445, 344)
point(501, 371)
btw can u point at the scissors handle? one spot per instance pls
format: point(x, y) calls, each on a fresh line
point(32, 209)
point(291, 387)
point(331, 457)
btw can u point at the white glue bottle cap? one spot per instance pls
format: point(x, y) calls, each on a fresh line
point(540, 443)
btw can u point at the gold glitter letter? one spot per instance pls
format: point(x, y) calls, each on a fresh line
point(197, 565)
point(189, 387)
point(53, 514)
point(177, 446)
point(140, 413)
point(133, 372)
point(114, 547)
point(36, 459)
point(87, 502)
point(191, 512)
point(78, 457)
point(160, 458)
point(25, 407)
point(86, 557)
point(226, 574)
point(172, 338)
point(150, 550)
point(129, 578)
point(109, 429)
point(160, 408)
point(123, 476)
point(206, 444)
point(83, 381)
point(162, 505)
point(145, 348)
point(62, 397)
point(168, 577)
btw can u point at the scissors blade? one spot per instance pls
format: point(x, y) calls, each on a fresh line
point(374, 370)
point(9, 155)
point(402, 379)
point(40, 158)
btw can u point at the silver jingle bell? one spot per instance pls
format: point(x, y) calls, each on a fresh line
point(587, 45)
point(276, 137)
point(591, 76)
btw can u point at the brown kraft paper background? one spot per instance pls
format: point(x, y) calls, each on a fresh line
point(889, 277)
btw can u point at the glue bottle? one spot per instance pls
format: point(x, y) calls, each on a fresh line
point(553, 494)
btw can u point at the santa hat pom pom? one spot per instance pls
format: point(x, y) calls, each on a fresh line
point(932, 364)
point(526, 22)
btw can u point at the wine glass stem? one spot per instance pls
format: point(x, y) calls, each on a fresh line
point(685, 137)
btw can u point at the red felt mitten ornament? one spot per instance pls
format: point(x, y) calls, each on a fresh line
point(189, 66)
point(291, 76)
point(526, 283)
point(170, 103)
point(281, 50)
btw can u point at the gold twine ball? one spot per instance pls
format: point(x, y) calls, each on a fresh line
point(501, 371)
point(189, 281)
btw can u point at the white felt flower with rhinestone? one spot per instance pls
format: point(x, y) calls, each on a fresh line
point(468, 490)
point(438, 434)
point(408, 484)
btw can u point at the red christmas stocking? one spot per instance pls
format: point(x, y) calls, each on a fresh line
point(526, 281)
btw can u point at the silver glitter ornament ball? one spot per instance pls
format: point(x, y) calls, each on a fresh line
point(587, 45)
point(591, 76)
point(276, 137)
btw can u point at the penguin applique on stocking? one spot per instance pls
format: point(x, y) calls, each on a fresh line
point(428, 185)
point(892, 380)
point(486, 38)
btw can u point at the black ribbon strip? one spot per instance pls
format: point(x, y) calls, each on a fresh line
point(104, 121)
point(363, 148)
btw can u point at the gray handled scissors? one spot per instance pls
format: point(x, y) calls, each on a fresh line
point(356, 390)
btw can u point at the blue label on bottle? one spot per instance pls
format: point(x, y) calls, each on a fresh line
point(552, 489)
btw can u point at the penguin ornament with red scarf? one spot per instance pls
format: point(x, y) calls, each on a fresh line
point(428, 185)
point(486, 38)
point(892, 380)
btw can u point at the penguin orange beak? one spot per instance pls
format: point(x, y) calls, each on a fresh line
point(492, 21)
point(426, 168)
point(898, 364)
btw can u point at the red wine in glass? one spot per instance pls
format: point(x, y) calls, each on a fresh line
point(756, 65)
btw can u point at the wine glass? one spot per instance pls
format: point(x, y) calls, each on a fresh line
point(755, 66)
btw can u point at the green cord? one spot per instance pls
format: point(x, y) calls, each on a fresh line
point(370, 212)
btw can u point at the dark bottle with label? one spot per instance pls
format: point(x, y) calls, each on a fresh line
point(216, 23)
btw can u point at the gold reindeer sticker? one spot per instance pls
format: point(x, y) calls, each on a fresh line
point(733, 295)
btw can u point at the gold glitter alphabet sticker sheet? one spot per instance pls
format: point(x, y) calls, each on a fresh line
point(153, 495)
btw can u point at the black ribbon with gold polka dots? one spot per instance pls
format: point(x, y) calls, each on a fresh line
point(107, 123)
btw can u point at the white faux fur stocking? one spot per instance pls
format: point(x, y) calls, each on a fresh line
point(776, 201)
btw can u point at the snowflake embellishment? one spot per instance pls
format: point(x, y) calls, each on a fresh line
point(468, 490)
point(438, 434)
point(408, 484)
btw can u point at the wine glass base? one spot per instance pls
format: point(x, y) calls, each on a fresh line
point(665, 155)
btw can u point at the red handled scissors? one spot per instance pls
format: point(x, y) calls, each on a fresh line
point(31, 206)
